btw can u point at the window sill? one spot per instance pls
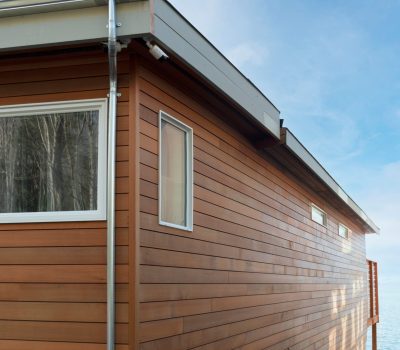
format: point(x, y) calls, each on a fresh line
point(179, 227)
point(16, 218)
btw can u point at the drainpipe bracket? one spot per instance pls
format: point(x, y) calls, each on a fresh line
point(117, 25)
point(119, 46)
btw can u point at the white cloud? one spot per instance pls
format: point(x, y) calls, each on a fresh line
point(247, 53)
point(319, 70)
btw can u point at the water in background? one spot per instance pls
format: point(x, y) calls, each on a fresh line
point(388, 329)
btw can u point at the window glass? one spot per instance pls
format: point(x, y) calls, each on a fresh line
point(343, 231)
point(175, 173)
point(49, 162)
point(318, 215)
point(53, 161)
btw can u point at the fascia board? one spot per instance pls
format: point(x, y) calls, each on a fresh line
point(28, 7)
point(156, 19)
point(9, 8)
point(294, 145)
point(72, 26)
point(178, 36)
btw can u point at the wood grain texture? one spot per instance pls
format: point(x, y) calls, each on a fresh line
point(46, 345)
point(53, 275)
point(256, 272)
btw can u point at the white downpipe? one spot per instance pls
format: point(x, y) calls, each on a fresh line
point(113, 49)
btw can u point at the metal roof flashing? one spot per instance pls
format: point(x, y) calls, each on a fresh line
point(296, 147)
point(67, 25)
point(40, 23)
point(178, 36)
point(27, 24)
point(10, 8)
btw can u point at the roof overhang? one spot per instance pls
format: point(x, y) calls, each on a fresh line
point(18, 7)
point(33, 24)
point(293, 145)
point(11, 8)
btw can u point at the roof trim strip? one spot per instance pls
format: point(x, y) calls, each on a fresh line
point(172, 30)
point(297, 148)
point(71, 22)
point(74, 25)
point(158, 20)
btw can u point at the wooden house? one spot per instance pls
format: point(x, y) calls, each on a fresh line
point(151, 199)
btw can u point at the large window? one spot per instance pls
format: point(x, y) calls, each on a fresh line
point(52, 161)
point(175, 173)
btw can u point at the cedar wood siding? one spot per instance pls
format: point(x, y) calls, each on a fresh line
point(53, 275)
point(256, 272)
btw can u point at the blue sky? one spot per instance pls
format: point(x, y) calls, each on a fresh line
point(332, 69)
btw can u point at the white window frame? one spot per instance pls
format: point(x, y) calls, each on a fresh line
point(189, 170)
point(315, 207)
point(347, 231)
point(65, 107)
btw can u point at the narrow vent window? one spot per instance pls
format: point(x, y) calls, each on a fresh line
point(343, 231)
point(318, 215)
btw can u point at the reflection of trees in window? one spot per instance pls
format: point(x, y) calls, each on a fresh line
point(49, 162)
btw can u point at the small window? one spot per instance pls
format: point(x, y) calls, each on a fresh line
point(343, 231)
point(318, 215)
point(53, 161)
point(175, 173)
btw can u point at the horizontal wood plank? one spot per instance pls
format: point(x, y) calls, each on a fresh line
point(256, 272)
point(53, 276)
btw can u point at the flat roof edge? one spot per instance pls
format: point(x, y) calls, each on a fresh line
point(160, 20)
point(80, 21)
point(20, 8)
point(177, 35)
point(10, 8)
point(72, 25)
point(296, 147)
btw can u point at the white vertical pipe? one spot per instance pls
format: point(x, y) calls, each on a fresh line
point(112, 112)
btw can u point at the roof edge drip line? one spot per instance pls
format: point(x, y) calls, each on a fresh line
point(39, 4)
point(290, 141)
